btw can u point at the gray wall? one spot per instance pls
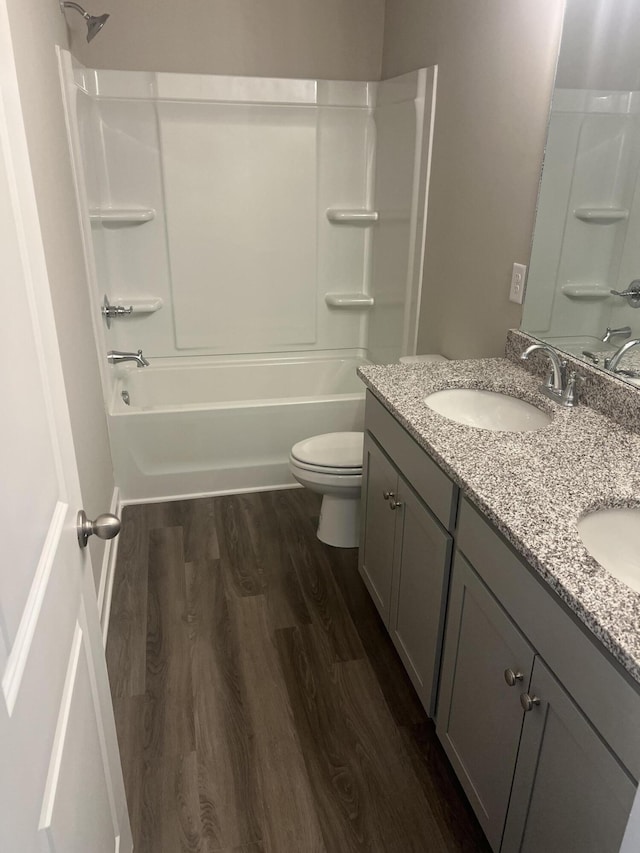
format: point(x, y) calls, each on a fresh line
point(331, 39)
point(36, 27)
point(496, 67)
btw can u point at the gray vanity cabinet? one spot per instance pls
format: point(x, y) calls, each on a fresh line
point(487, 664)
point(405, 550)
point(540, 723)
point(570, 793)
point(419, 589)
point(379, 523)
point(555, 768)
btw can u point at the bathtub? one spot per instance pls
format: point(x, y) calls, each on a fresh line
point(215, 427)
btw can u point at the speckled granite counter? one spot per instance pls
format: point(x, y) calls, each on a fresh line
point(532, 485)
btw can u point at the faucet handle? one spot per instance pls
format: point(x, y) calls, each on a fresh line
point(550, 381)
point(573, 383)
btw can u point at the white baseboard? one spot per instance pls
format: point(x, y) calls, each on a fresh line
point(107, 571)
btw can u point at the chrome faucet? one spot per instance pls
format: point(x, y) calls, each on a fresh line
point(561, 388)
point(114, 356)
point(613, 362)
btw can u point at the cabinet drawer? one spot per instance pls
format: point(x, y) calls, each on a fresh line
point(432, 485)
point(605, 694)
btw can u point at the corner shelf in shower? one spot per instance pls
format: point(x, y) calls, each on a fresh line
point(349, 300)
point(585, 291)
point(601, 215)
point(121, 215)
point(359, 216)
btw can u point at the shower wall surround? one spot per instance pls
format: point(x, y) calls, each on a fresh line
point(235, 176)
point(254, 227)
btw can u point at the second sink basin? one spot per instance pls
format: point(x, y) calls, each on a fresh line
point(487, 410)
point(612, 537)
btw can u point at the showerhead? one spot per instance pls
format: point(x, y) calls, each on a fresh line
point(94, 22)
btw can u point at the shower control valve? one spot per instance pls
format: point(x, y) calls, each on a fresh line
point(110, 312)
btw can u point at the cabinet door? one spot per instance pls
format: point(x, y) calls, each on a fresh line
point(380, 487)
point(479, 714)
point(570, 793)
point(420, 583)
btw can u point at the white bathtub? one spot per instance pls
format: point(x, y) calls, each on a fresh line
point(212, 427)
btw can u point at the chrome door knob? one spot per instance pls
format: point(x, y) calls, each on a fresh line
point(106, 526)
point(528, 702)
point(395, 504)
point(512, 677)
point(387, 495)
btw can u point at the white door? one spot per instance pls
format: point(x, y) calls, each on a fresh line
point(60, 779)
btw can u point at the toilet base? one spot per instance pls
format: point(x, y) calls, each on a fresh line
point(339, 521)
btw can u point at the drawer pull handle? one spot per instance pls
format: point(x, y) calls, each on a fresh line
point(512, 677)
point(394, 504)
point(528, 702)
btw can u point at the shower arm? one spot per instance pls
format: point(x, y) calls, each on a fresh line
point(69, 4)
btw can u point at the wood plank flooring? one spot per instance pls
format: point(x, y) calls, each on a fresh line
point(260, 705)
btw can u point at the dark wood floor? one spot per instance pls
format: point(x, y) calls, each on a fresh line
point(259, 703)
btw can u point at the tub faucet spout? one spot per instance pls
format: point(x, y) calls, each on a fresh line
point(114, 356)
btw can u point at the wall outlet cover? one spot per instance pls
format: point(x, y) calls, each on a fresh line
point(518, 276)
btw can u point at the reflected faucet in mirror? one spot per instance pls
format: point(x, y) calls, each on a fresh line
point(613, 362)
point(622, 332)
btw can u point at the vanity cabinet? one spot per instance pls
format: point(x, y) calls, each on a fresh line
point(487, 664)
point(540, 726)
point(570, 792)
point(405, 552)
point(539, 721)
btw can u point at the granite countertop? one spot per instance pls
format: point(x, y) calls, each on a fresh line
point(534, 485)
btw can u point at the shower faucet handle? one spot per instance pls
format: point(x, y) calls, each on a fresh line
point(110, 312)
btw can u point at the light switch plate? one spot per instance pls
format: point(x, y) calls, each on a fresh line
point(516, 292)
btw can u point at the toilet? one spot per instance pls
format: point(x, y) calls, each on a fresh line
point(331, 465)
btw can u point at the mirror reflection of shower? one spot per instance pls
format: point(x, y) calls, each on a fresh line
point(94, 22)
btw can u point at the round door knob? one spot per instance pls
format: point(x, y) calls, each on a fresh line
point(106, 526)
point(394, 504)
point(512, 677)
point(528, 702)
point(387, 495)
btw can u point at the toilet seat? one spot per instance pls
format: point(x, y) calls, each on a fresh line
point(325, 469)
point(330, 453)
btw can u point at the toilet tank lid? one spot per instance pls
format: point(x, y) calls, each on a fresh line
point(414, 359)
point(332, 449)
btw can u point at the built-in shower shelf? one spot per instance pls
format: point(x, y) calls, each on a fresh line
point(601, 215)
point(122, 215)
point(349, 300)
point(586, 291)
point(356, 216)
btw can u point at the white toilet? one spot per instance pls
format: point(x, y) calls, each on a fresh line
point(331, 465)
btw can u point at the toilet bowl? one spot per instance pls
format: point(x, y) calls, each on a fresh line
point(331, 465)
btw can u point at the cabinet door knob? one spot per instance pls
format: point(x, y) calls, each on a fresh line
point(387, 495)
point(528, 702)
point(512, 677)
point(394, 504)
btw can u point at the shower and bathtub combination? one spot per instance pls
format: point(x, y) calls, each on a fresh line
point(257, 239)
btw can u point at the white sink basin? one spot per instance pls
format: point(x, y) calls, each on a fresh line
point(487, 410)
point(612, 537)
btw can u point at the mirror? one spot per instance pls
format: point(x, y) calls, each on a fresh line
point(586, 241)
